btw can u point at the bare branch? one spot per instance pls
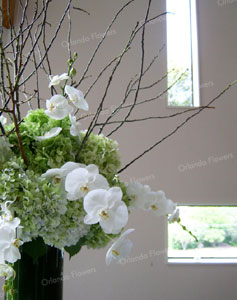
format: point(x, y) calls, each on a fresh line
point(101, 41)
point(178, 127)
point(140, 76)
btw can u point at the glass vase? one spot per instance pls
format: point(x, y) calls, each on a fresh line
point(38, 279)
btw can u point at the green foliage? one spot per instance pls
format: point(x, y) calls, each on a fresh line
point(213, 236)
point(211, 225)
point(73, 250)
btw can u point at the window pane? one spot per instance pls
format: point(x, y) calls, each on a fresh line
point(216, 230)
point(181, 44)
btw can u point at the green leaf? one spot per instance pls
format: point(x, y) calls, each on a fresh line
point(35, 248)
point(73, 250)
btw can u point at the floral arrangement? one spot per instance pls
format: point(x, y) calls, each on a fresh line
point(62, 199)
point(59, 182)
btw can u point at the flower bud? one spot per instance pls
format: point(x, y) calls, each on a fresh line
point(73, 72)
point(75, 55)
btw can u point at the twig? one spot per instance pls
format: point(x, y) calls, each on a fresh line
point(81, 9)
point(155, 117)
point(141, 73)
point(101, 41)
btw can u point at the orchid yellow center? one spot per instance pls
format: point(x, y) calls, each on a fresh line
point(115, 252)
point(57, 180)
point(154, 207)
point(51, 107)
point(17, 243)
point(104, 215)
point(84, 189)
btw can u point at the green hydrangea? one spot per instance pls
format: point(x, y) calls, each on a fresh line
point(96, 238)
point(46, 154)
point(71, 227)
point(42, 208)
point(54, 152)
point(103, 152)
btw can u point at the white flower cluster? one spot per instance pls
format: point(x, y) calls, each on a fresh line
point(141, 197)
point(9, 242)
point(58, 107)
point(102, 204)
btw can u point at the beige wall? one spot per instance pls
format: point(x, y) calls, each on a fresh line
point(147, 275)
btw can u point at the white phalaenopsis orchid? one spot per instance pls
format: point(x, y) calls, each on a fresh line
point(139, 194)
point(5, 270)
point(9, 244)
point(56, 80)
point(106, 208)
point(174, 217)
point(3, 120)
point(76, 97)
point(7, 218)
point(160, 205)
point(75, 128)
point(48, 135)
point(58, 107)
point(120, 249)
point(60, 173)
point(83, 180)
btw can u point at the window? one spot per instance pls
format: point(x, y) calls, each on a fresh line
point(182, 53)
point(216, 230)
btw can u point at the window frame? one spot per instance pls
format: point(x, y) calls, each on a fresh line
point(203, 261)
point(195, 68)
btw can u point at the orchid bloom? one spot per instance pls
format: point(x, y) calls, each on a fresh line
point(139, 195)
point(83, 180)
point(106, 208)
point(60, 173)
point(6, 217)
point(75, 127)
point(58, 107)
point(56, 80)
point(76, 97)
point(174, 217)
point(160, 205)
point(120, 249)
point(9, 245)
point(48, 135)
point(5, 269)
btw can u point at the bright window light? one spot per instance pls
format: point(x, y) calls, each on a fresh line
point(182, 53)
point(216, 230)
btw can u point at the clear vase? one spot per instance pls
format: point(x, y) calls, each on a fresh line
point(38, 279)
